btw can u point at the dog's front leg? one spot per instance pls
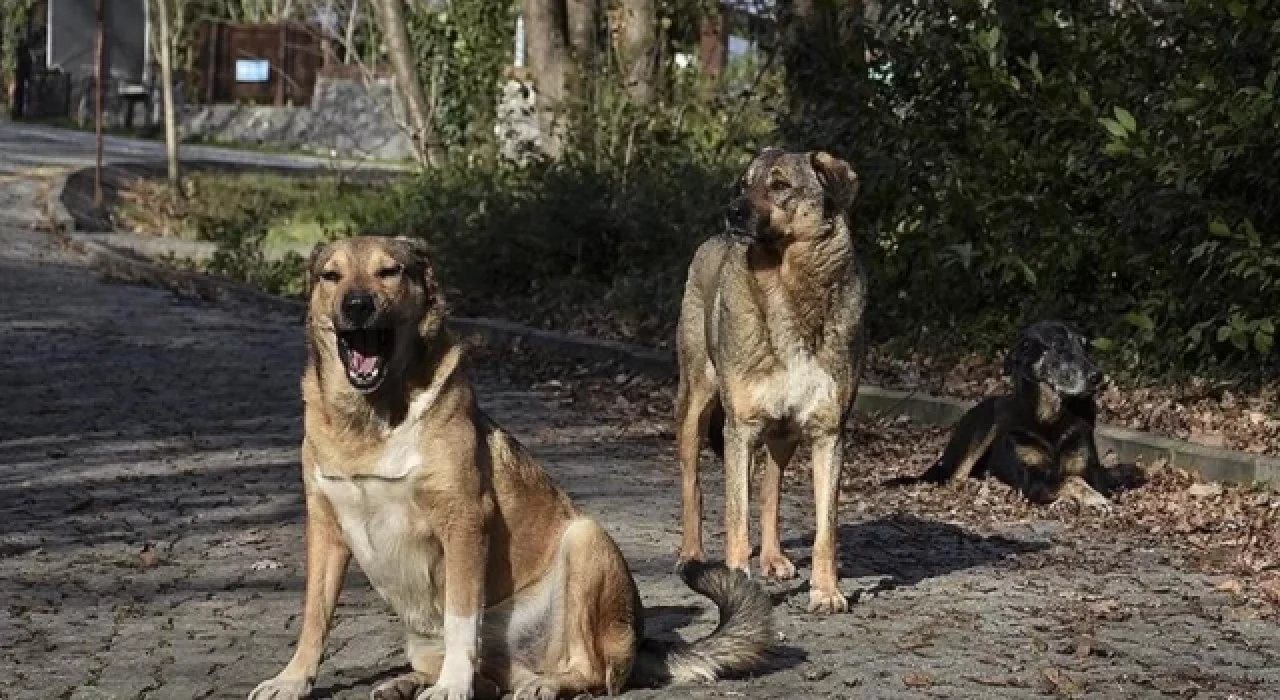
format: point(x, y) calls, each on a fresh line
point(327, 558)
point(740, 441)
point(824, 584)
point(466, 552)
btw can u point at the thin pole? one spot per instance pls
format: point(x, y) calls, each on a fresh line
point(98, 70)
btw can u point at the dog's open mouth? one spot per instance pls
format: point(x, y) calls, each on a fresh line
point(364, 354)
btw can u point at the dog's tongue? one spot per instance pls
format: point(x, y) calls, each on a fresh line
point(364, 364)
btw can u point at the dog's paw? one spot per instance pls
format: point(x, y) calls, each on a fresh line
point(777, 566)
point(403, 687)
point(827, 602)
point(279, 688)
point(536, 688)
point(447, 691)
point(1095, 501)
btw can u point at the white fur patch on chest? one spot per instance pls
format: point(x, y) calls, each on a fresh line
point(386, 531)
point(796, 391)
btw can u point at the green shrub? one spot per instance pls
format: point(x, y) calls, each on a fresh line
point(1031, 159)
point(603, 235)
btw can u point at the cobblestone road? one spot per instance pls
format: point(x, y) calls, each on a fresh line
point(151, 529)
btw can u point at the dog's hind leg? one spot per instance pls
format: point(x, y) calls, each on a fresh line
point(598, 616)
point(774, 563)
point(970, 442)
point(695, 400)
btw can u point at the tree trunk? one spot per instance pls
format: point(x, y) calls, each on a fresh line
point(584, 27)
point(713, 38)
point(639, 41)
point(817, 43)
point(99, 74)
point(165, 53)
point(391, 17)
point(350, 36)
point(544, 26)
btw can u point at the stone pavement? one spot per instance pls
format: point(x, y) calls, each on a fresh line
point(151, 536)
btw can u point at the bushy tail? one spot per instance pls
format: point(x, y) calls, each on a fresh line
point(740, 643)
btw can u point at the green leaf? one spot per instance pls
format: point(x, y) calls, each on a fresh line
point(1237, 9)
point(1102, 344)
point(1263, 342)
point(1223, 333)
point(1218, 227)
point(1185, 104)
point(1126, 120)
point(1085, 100)
point(1116, 148)
point(1113, 127)
point(1140, 320)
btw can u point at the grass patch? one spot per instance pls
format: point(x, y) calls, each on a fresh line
point(291, 209)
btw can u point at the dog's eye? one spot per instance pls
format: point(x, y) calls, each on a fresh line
point(390, 271)
point(331, 276)
point(779, 185)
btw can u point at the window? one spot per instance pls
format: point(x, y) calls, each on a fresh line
point(252, 70)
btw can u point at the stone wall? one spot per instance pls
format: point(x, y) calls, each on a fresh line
point(348, 117)
point(352, 118)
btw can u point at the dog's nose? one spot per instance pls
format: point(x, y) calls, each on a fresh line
point(1095, 378)
point(358, 307)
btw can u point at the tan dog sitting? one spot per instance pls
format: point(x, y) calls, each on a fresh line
point(770, 351)
point(500, 583)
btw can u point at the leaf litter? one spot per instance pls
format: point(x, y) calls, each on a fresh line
point(1225, 531)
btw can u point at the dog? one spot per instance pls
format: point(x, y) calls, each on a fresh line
point(770, 348)
point(501, 584)
point(1038, 439)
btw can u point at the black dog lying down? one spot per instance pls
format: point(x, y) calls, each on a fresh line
point(1039, 439)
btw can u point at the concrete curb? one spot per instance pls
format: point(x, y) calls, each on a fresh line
point(122, 262)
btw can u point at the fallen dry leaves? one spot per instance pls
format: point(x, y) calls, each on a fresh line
point(1222, 530)
point(1214, 414)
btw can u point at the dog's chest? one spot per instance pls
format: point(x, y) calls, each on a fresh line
point(799, 391)
point(389, 536)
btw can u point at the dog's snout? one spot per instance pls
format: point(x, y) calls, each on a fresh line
point(359, 307)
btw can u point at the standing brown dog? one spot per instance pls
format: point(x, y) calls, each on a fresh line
point(770, 352)
point(500, 583)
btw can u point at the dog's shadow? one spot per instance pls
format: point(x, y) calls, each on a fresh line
point(660, 622)
point(1116, 480)
point(903, 550)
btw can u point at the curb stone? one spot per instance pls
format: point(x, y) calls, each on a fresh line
point(1213, 464)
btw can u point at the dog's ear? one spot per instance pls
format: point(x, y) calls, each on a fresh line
point(419, 252)
point(1021, 361)
point(315, 265)
point(763, 160)
point(838, 179)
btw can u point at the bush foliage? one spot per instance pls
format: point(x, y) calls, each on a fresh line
point(1070, 159)
point(1106, 162)
point(607, 230)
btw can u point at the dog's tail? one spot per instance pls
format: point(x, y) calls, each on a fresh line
point(739, 644)
point(715, 429)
